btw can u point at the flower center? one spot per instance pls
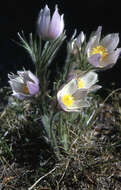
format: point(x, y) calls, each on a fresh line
point(101, 50)
point(25, 89)
point(80, 83)
point(67, 99)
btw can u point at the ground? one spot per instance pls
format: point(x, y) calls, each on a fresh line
point(93, 160)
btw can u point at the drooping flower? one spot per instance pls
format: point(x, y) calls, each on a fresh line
point(24, 85)
point(50, 28)
point(72, 96)
point(102, 52)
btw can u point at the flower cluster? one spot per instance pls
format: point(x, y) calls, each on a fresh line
point(83, 58)
point(71, 89)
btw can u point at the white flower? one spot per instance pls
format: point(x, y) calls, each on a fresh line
point(72, 96)
point(88, 81)
point(24, 85)
point(103, 53)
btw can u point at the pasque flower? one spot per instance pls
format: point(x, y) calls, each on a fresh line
point(87, 81)
point(50, 28)
point(72, 96)
point(77, 42)
point(24, 85)
point(102, 52)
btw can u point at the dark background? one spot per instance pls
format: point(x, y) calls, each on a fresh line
point(85, 15)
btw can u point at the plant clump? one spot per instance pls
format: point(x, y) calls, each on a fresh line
point(56, 130)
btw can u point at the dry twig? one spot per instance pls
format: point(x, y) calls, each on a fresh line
point(30, 188)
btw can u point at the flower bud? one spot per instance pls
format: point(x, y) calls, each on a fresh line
point(50, 28)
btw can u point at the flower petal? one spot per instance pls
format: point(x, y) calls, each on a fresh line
point(43, 22)
point(33, 77)
point(94, 40)
point(111, 59)
point(79, 104)
point(61, 24)
point(90, 45)
point(56, 25)
point(89, 79)
point(95, 59)
point(81, 37)
point(69, 88)
point(59, 98)
point(110, 41)
point(33, 88)
point(23, 75)
point(94, 88)
point(98, 34)
point(12, 76)
point(16, 86)
point(80, 94)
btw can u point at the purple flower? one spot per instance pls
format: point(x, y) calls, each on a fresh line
point(50, 28)
point(102, 52)
point(24, 85)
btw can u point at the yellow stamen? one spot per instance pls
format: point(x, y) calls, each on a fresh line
point(25, 89)
point(80, 83)
point(68, 99)
point(101, 50)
